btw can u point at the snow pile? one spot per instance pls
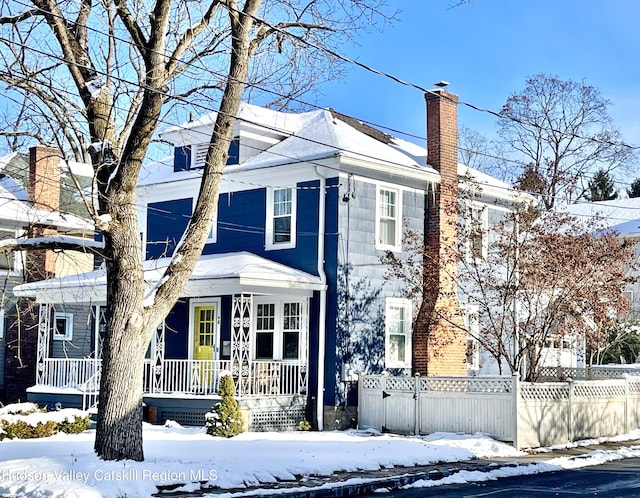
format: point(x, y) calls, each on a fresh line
point(64, 465)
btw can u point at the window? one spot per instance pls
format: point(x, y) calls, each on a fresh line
point(265, 330)
point(279, 327)
point(477, 225)
point(7, 259)
point(213, 233)
point(398, 333)
point(292, 314)
point(388, 223)
point(281, 218)
point(63, 326)
point(472, 324)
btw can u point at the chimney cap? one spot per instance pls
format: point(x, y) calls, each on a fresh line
point(442, 84)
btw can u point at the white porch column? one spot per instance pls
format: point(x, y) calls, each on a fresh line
point(44, 332)
point(241, 313)
point(158, 359)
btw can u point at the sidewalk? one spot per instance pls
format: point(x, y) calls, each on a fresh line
point(344, 484)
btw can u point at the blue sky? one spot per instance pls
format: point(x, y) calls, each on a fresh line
point(486, 50)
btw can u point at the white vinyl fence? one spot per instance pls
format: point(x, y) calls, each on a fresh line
point(525, 414)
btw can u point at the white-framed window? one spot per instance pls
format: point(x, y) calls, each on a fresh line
point(212, 238)
point(279, 326)
point(397, 324)
point(1, 323)
point(388, 228)
point(477, 225)
point(472, 324)
point(7, 259)
point(62, 326)
point(280, 225)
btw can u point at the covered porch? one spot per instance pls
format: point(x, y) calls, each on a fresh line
point(240, 313)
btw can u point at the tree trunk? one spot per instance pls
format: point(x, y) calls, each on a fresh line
point(119, 427)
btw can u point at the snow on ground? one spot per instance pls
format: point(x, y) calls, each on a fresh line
point(65, 465)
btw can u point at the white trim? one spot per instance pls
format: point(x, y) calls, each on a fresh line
point(397, 218)
point(472, 325)
point(483, 209)
point(269, 242)
point(1, 324)
point(193, 304)
point(68, 329)
point(407, 306)
point(278, 328)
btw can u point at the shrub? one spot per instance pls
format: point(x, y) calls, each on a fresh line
point(75, 426)
point(22, 430)
point(225, 419)
point(304, 425)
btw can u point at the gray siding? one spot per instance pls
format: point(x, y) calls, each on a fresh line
point(80, 345)
point(362, 286)
point(8, 282)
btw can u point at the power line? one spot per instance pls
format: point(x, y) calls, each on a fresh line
point(304, 138)
point(358, 64)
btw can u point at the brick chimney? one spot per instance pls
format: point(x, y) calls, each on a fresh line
point(440, 339)
point(22, 332)
point(44, 195)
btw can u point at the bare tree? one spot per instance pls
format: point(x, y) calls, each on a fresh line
point(529, 279)
point(104, 75)
point(561, 132)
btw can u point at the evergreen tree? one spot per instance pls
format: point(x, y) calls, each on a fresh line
point(225, 420)
point(634, 189)
point(601, 187)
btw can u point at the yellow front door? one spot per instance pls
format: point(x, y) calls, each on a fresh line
point(205, 342)
point(204, 334)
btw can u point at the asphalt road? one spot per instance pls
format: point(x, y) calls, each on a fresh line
point(611, 480)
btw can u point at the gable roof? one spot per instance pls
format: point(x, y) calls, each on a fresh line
point(620, 215)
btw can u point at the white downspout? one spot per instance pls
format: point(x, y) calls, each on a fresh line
point(322, 315)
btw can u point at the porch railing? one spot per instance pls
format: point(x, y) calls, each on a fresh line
point(197, 377)
point(70, 372)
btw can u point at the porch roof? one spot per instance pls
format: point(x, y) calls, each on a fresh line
point(213, 275)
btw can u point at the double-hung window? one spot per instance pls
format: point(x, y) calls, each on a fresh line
point(7, 259)
point(472, 324)
point(63, 326)
point(281, 218)
point(476, 230)
point(398, 316)
point(279, 327)
point(265, 330)
point(388, 219)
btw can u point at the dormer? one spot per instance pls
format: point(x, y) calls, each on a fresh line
point(256, 130)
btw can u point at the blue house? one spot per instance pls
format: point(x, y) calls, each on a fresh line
point(289, 293)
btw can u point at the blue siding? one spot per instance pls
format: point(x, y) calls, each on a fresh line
point(225, 323)
point(176, 334)
point(241, 227)
point(166, 222)
point(331, 270)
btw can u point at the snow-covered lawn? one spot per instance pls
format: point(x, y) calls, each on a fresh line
point(65, 465)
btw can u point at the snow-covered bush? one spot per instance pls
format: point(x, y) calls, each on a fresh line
point(225, 419)
point(19, 409)
point(27, 421)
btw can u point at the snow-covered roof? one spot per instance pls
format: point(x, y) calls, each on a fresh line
point(200, 129)
point(15, 208)
point(620, 215)
point(298, 137)
point(213, 274)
